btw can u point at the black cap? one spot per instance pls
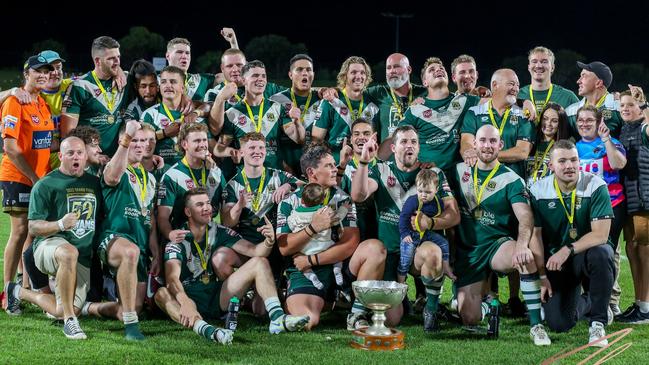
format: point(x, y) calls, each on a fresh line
point(600, 69)
point(36, 62)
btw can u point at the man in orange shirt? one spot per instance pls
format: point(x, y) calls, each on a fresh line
point(27, 134)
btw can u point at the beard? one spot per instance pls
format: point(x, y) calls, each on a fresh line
point(510, 99)
point(398, 82)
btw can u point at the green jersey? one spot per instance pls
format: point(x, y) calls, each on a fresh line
point(516, 128)
point(438, 124)
point(238, 122)
point(559, 95)
point(610, 112)
point(392, 108)
point(157, 117)
point(195, 257)
point(290, 152)
point(197, 85)
point(592, 203)
point(58, 194)
point(179, 179)
point(337, 118)
point(104, 111)
point(366, 210)
point(538, 166)
point(272, 179)
point(129, 205)
point(394, 188)
point(135, 110)
point(270, 90)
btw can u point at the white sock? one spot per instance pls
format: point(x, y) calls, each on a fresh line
point(314, 279)
point(644, 306)
point(129, 317)
point(338, 273)
point(84, 309)
point(17, 291)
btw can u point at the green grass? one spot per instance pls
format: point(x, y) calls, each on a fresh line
point(34, 339)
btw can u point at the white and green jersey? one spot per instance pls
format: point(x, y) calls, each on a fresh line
point(394, 188)
point(238, 123)
point(157, 117)
point(560, 95)
point(610, 112)
point(337, 119)
point(592, 203)
point(392, 111)
point(438, 124)
point(87, 100)
point(270, 90)
point(179, 179)
point(197, 85)
point(129, 205)
point(365, 210)
point(272, 180)
point(191, 268)
point(517, 128)
point(135, 110)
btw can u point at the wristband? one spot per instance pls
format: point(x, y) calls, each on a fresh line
point(312, 229)
point(306, 230)
point(308, 258)
point(317, 260)
point(164, 134)
point(61, 226)
point(125, 141)
point(543, 277)
point(606, 140)
point(266, 241)
point(364, 163)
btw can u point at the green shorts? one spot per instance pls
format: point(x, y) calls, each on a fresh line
point(142, 264)
point(474, 264)
point(300, 284)
point(207, 298)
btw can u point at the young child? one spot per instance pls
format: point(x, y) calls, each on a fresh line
point(428, 204)
point(313, 196)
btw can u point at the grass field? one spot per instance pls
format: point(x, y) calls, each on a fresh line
point(34, 339)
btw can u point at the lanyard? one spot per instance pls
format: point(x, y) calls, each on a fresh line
point(306, 106)
point(538, 161)
point(547, 98)
point(573, 194)
point(357, 163)
point(327, 197)
point(110, 103)
point(421, 204)
point(599, 102)
point(493, 119)
point(398, 104)
point(191, 172)
point(141, 183)
point(478, 193)
point(256, 200)
point(257, 124)
point(349, 105)
point(201, 256)
point(168, 114)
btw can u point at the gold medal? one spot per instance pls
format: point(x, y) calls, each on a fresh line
point(255, 221)
point(572, 232)
point(205, 278)
point(353, 113)
point(110, 119)
point(144, 211)
point(477, 213)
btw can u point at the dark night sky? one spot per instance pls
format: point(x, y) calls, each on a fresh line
point(333, 30)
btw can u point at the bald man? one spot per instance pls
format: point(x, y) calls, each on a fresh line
point(62, 219)
point(501, 112)
point(394, 97)
point(494, 208)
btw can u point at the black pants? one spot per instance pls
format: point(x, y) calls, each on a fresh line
point(36, 277)
point(567, 304)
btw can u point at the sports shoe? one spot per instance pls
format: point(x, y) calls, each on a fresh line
point(445, 314)
point(431, 324)
point(634, 317)
point(609, 315)
point(473, 328)
point(633, 307)
point(132, 332)
point(539, 336)
point(12, 303)
point(72, 330)
point(615, 309)
point(223, 336)
point(357, 321)
point(595, 332)
point(288, 323)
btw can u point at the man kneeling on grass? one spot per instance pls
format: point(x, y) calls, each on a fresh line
point(193, 293)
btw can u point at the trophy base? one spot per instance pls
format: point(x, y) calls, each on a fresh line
point(361, 340)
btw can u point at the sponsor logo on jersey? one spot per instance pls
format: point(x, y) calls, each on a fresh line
point(164, 122)
point(466, 176)
point(97, 92)
point(190, 184)
point(485, 118)
point(344, 111)
point(392, 181)
point(514, 120)
point(211, 180)
point(552, 205)
point(455, 105)
point(10, 121)
point(231, 232)
point(132, 178)
point(84, 207)
point(288, 107)
point(428, 113)
point(607, 114)
point(491, 185)
point(41, 140)
point(35, 119)
point(242, 120)
point(271, 117)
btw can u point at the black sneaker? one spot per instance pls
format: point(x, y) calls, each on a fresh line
point(516, 307)
point(627, 312)
point(13, 303)
point(445, 314)
point(635, 317)
point(431, 324)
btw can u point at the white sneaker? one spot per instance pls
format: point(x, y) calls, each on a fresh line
point(610, 315)
point(539, 335)
point(615, 309)
point(595, 332)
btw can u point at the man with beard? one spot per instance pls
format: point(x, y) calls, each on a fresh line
point(493, 202)
point(501, 112)
point(573, 212)
point(338, 115)
point(542, 90)
point(392, 183)
point(145, 84)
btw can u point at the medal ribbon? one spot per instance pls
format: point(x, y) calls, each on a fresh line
point(191, 172)
point(306, 106)
point(478, 194)
point(257, 124)
point(256, 199)
point(599, 102)
point(110, 103)
point(349, 105)
point(168, 114)
point(547, 98)
point(201, 256)
point(537, 161)
point(398, 104)
point(417, 227)
point(142, 184)
point(493, 119)
point(573, 194)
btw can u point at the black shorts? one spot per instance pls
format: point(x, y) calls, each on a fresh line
point(15, 196)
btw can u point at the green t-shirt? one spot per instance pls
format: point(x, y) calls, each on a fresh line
point(290, 152)
point(337, 119)
point(87, 100)
point(366, 210)
point(392, 111)
point(56, 195)
point(238, 123)
point(127, 214)
point(190, 259)
point(610, 112)
point(592, 203)
point(394, 188)
point(273, 179)
point(517, 128)
point(178, 180)
point(197, 85)
point(560, 95)
point(438, 124)
point(270, 90)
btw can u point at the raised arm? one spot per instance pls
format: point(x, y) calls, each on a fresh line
point(117, 165)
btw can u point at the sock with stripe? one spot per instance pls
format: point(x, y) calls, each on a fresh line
point(357, 307)
point(531, 289)
point(274, 308)
point(204, 329)
point(433, 287)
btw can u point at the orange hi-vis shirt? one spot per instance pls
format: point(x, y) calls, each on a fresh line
point(32, 127)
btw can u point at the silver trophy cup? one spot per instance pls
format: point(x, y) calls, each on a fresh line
point(379, 296)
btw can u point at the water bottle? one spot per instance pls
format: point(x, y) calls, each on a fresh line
point(494, 319)
point(233, 313)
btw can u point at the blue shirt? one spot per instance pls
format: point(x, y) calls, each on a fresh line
point(410, 207)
